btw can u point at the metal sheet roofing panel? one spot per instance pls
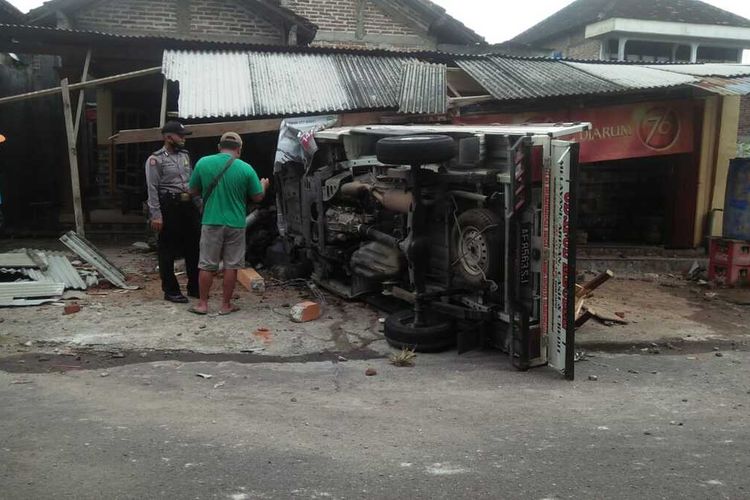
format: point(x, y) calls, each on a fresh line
point(508, 79)
point(708, 69)
point(29, 289)
point(17, 259)
point(233, 84)
point(725, 86)
point(423, 88)
point(632, 76)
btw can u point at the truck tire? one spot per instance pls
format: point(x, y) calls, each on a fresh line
point(401, 333)
point(415, 149)
point(477, 246)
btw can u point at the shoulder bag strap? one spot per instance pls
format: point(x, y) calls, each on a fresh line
point(215, 181)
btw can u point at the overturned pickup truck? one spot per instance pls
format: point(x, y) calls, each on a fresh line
point(468, 226)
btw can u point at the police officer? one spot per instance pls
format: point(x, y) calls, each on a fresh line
point(173, 212)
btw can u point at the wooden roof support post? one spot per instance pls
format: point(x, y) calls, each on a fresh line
point(81, 99)
point(163, 115)
point(73, 157)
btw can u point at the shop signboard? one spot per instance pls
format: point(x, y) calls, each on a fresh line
point(617, 132)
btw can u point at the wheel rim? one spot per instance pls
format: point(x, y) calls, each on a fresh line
point(473, 251)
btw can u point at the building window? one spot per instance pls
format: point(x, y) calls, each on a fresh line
point(643, 51)
point(682, 54)
point(718, 54)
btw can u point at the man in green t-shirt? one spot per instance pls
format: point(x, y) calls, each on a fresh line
point(225, 183)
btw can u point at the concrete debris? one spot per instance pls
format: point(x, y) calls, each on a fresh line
point(719, 355)
point(141, 245)
point(251, 280)
point(371, 372)
point(104, 374)
point(306, 311)
point(204, 375)
point(219, 384)
point(593, 378)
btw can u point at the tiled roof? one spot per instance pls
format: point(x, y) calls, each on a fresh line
point(582, 12)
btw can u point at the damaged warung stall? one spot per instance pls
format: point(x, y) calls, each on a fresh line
point(468, 227)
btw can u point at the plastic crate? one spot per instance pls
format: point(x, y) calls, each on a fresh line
point(729, 275)
point(729, 252)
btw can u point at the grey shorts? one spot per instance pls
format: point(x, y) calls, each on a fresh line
point(222, 243)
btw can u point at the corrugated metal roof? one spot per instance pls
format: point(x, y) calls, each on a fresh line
point(508, 79)
point(28, 289)
point(634, 77)
point(88, 252)
point(725, 86)
point(17, 259)
point(233, 84)
point(423, 88)
point(60, 270)
point(708, 69)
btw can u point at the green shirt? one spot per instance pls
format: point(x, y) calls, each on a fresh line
point(227, 205)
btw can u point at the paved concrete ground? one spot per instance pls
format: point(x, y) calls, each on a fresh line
point(652, 426)
point(662, 310)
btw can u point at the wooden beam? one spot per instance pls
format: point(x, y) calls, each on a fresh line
point(81, 85)
point(241, 127)
point(84, 77)
point(75, 180)
point(200, 130)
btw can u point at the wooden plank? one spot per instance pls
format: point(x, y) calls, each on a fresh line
point(72, 157)
point(241, 127)
point(81, 85)
point(595, 283)
point(200, 130)
point(79, 109)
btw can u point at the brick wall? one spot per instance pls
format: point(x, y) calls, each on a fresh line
point(341, 16)
point(229, 17)
point(213, 19)
point(141, 16)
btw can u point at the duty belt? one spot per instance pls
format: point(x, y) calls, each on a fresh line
point(176, 196)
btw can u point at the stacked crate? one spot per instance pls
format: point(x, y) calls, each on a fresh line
point(729, 261)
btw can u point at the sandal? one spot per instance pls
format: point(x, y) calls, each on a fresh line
point(233, 309)
point(193, 310)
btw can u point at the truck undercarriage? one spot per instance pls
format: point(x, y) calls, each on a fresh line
point(468, 226)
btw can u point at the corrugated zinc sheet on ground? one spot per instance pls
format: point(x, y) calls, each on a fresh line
point(634, 77)
point(10, 292)
point(16, 259)
point(508, 79)
point(423, 88)
point(233, 84)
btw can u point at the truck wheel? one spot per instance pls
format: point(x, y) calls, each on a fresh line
point(477, 246)
point(436, 336)
point(415, 149)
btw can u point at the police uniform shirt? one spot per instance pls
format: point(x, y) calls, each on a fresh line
point(166, 173)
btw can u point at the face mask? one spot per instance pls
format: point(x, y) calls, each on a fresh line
point(177, 142)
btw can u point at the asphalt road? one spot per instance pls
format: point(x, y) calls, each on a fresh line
point(651, 426)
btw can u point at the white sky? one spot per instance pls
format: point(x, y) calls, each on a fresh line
point(499, 20)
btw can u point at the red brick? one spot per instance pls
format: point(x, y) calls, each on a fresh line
point(306, 311)
point(251, 280)
point(72, 309)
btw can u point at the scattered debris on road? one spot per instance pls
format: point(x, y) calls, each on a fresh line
point(204, 375)
point(593, 378)
point(371, 372)
point(404, 358)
